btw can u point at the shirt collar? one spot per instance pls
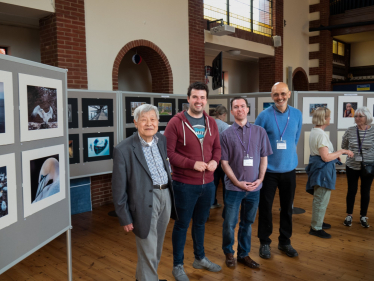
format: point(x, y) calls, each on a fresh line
point(275, 107)
point(145, 144)
point(236, 125)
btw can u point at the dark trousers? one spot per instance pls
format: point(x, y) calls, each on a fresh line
point(286, 182)
point(366, 181)
point(219, 174)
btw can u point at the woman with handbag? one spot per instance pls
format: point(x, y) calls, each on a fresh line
point(321, 170)
point(359, 139)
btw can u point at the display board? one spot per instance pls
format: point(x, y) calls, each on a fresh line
point(340, 104)
point(94, 133)
point(34, 171)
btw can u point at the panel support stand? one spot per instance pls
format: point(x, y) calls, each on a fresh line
point(69, 255)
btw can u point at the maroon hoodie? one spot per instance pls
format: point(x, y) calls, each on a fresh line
point(184, 149)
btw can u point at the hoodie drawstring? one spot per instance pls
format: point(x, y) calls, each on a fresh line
point(207, 119)
point(184, 134)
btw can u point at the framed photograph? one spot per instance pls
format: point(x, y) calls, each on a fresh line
point(6, 108)
point(97, 112)
point(370, 106)
point(42, 184)
point(306, 146)
point(41, 107)
point(98, 146)
point(343, 158)
point(183, 105)
point(131, 104)
point(166, 108)
point(264, 103)
point(74, 148)
point(8, 190)
point(310, 105)
point(346, 110)
point(73, 113)
point(251, 117)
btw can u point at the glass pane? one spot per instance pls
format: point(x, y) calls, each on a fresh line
point(215, 10)
point(334, 47)
point(262, 21)
point(340, 49)
point(240, 14)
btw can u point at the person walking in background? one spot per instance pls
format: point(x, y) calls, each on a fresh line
point(321, 170)
point(359, 139)
point(220, 114)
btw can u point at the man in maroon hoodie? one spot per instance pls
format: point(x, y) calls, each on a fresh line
point(194, 149)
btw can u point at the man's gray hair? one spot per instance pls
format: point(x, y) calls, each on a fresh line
point(366, 112)
point(145, 108)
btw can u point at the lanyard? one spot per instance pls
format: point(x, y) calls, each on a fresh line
point(288, 120)
point(358, 138)
point(249, 140)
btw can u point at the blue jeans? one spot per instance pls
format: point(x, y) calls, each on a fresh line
point(249, 204)
point(192, 202)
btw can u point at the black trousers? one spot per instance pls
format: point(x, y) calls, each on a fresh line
point(366, 181)
point(286, 182)
point(219, 174)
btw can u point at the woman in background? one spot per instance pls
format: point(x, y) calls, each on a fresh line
point(356, 138)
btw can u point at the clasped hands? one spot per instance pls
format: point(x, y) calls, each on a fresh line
point(202, 166)
point(249, 186)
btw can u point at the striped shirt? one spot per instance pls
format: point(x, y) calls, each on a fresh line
point(154, 161)
point(350, 142)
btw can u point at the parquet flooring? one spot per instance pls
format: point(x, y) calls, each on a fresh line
point(102, 251)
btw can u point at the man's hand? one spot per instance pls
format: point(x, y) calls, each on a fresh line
point(243, 185)
point(252, 186)
point(200, 166)
point(212, 165)
point(128, 227)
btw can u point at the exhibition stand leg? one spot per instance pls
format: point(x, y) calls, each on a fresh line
point(69, 255)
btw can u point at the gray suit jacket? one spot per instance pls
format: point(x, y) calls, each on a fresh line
point(132, 184)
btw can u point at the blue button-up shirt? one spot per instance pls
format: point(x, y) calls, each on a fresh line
point(154, 161)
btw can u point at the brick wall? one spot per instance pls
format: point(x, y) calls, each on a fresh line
point(101, 191)
point(63, 41)
point(271, 68)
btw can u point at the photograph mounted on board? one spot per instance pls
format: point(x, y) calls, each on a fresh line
point(309, 105)
point(98, 146)
point(183, 105)
point(73, 113)
point(6, 108)
point(73, 148)
point(314, 106)
point(135, 105)
point(131, 103)
point(97, 112)
point(165, 108)
point(4, 203)
point(347, 105)
point(349, 109)
point(266, 105)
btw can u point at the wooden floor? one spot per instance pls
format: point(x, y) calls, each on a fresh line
point(102, 251)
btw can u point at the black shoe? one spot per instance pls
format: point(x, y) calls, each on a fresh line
point(326, 226)
point(319, 233)
point(364, 222)
point(265, 251)
point(289, 250)
point(348, 221)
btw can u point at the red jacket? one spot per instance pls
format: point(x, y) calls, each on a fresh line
point(184, 149)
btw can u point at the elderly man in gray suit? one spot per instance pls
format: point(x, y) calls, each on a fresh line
point(142, 190)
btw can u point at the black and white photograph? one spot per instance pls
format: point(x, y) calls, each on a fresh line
point(73, 113)
point(74, 156)
point(166, 108)
point(97, 112)
point(8, 192)
point(41, 107)
point(309, 106)
point(6, 108)
point(98, 146)
point(131, 103)
point(347, 105)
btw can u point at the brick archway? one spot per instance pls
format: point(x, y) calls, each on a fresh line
point(300, 80)
point(158, 64)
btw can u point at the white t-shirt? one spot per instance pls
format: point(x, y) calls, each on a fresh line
point(317, 139)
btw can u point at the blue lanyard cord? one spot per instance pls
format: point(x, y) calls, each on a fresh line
point(358, 141)
point(288, 120)
point(249, 140)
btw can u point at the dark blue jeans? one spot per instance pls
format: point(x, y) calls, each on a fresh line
point(219, 175)
point(249, 204)
point(192, 202)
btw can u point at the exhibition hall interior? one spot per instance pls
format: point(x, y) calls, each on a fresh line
point(73, 73)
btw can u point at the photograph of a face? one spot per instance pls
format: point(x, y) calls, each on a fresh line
point(349, 109)
point(135, 105)
point(71, 151)
point(314, 106)
point(268, 104)
point(165, 108)
point(42, 107)
point(97, 112)
point(70, 115)
point(212, 108)
point(185, 106)
point(2, 109)
point(98, 146)
point(45, 177)
point(3, 192)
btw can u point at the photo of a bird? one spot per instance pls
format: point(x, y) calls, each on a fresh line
point(44, 115)
point(49, 179)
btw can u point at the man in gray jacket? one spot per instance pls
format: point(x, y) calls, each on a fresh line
point(142, 190)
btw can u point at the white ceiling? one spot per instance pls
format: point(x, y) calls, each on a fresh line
point(356, 37)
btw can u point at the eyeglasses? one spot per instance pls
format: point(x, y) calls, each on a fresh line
point(360, 116)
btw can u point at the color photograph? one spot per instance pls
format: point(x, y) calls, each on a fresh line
point(45, 177)
point(165, 108)
point(3, 192)
point(71, 151)
point(349, 109)
point(2, 109)
point(97, 112)
point(42, 107)
point(134, 105)
point(314, 106)
point(6, 108)
point(98, 146)
point(268, 104)
point(309, 106)
point(347, 105)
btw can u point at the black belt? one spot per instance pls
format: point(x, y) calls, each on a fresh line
point(160, 186)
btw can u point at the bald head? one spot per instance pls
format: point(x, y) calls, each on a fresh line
point(280, 85)
point(280, 95)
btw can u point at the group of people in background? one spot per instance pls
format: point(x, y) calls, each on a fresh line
point(251, 160)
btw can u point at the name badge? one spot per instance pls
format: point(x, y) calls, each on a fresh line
point(358, 158)
point(247, 162)
point(281, 144)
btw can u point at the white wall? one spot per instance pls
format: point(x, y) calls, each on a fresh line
point(133, 77)
point(110, 25)
point(43, 5)
point(362, 53)
point(296, 38)
point(22, 42)
point(243, 76)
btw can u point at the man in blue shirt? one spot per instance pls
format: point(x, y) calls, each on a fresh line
point(283, 125)
point(245, 148)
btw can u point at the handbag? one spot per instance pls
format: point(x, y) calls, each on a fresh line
point(366, 167)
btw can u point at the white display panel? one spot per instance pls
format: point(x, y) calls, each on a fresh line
point(310, 103)
point(345, 122)
point(6, 108)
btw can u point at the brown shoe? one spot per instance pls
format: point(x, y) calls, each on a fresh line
point(230, 260)
point(247, 261)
